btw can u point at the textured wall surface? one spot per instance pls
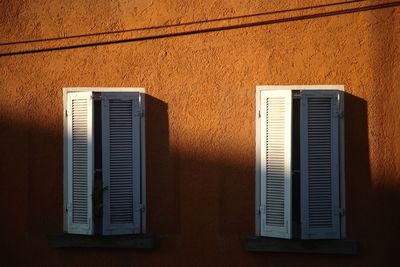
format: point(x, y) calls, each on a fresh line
point(201, 120)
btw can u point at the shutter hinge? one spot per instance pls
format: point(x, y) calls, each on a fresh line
point(140, 113)
point(141, 107)
point(68, 207)
point(340, 114)
point(139, 207)
point(261, 209)
point(341, 211)
point(66, 112)
point(259, 113)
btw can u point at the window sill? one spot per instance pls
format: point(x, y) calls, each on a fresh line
point(267, 244)
point(140, 241)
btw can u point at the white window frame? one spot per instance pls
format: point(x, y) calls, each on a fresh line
point(68, 90)
point(259, 89)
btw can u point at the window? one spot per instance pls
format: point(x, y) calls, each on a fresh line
point(300, 162)
point(104, 179)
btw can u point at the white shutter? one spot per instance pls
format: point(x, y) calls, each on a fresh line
point(80, 163)
point(275, 134)
point(319, 146)
point(121, 122)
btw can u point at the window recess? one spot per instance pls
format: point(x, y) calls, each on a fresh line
point(104, 178)
point(300, 162)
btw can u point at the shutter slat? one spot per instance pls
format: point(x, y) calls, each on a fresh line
point(121, 163)
point(275, 163)
point(319, 165)
point(80, 163)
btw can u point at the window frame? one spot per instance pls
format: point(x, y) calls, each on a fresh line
point(141, 92)
point(341, 91)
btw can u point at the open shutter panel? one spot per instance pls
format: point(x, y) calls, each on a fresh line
point(276, 120)
point(121, 114)
point(319, 148)
point(80, 163)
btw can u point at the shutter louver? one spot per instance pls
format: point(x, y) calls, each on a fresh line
point(121, 163)
point(319, 165)
point(276, 109)
point(80, 162)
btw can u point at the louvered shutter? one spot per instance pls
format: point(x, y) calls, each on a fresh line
point(275, 134)
point(319, 146)
point(121, 122)
point(80, 163)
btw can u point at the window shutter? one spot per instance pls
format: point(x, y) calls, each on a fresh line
point(319, 146)
point(276, 127)
point(80, 163)
point(121, 122)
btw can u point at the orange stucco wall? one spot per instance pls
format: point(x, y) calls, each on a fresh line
point(200, 125)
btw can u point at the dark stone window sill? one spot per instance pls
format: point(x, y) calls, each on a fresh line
point(338, 247)
point(140, 241)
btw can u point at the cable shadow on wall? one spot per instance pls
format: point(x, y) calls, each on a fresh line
point(208, 30)
point(180, 24)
